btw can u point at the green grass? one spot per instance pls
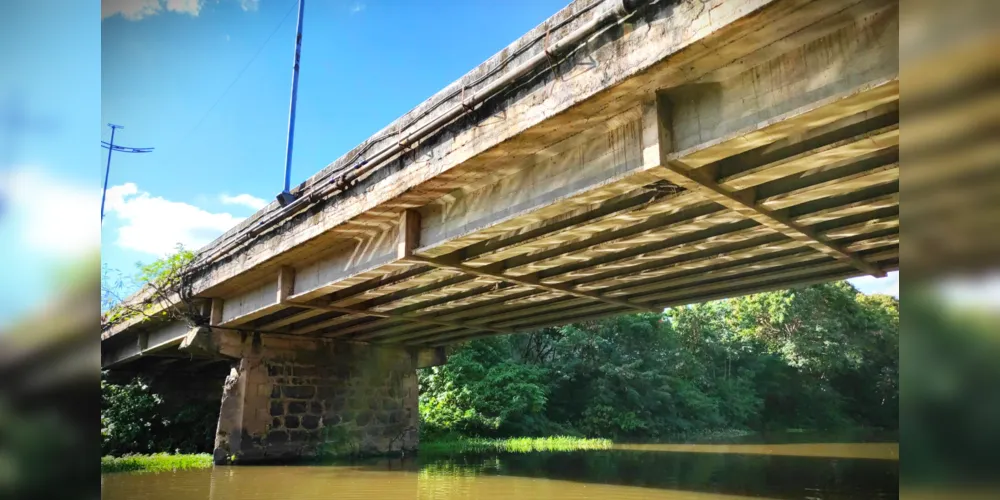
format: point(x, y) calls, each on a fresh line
point(159, 462)
point(513, 445)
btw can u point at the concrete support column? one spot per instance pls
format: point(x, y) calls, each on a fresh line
point(288, 398)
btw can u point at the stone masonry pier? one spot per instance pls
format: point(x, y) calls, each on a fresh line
point(289, 398)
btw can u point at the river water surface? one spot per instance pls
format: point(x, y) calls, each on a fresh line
point(799, 467)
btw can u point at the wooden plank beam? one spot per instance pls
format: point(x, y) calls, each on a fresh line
point(744, 203)
point(348, 297)
point(409, 233)
point(705, 181)
point(286, 283)
point(528, 281)
point(216, 315)
point(733, 287)
point(400, 316)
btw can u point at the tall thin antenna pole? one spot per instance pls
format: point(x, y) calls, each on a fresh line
point(111, 146)
point(107, 169)
point(285, 196)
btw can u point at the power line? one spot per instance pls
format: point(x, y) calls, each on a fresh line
point(242, 71)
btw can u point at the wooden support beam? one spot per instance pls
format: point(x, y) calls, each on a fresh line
point(145, 343)
point(705, 180)
point(442, 340)
point(527, 281)
point(401, 316)
point(286, 283)
point(216, 316)
point(378, 287)
point(409, 233)
point(744, 203)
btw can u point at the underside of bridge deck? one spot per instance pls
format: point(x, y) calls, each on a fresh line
point(780, 168)
point(757, 151)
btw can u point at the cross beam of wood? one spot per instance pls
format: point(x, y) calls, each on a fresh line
point(743, 202)
point(403, 316)
point(409, 240)
point(487, 272)
point(705, 180)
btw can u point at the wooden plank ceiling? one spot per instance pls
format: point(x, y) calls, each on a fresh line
point(794, 203)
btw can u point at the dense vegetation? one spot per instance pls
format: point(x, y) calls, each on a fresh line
point(136, 419)
point(819, 357)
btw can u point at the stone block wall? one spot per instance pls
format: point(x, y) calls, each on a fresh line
point(300, 398)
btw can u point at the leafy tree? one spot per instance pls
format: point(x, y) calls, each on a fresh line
point(480, 391)
point(162, 286)
point(130, 418)
point(823, 356)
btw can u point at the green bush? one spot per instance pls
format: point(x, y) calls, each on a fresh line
point(818, 357)
point(130, 419)
point(136, 420)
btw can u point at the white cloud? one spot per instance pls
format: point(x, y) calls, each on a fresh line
point(245, 200)
point(155, 225)
point(134, 10)
point(357, 7)
point(50, 215)
point(192, 7)
point(871, 285)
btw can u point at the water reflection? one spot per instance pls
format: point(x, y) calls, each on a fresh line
point(648, 471)
point(875, 451)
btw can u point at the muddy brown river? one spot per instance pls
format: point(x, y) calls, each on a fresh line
point(799, 467)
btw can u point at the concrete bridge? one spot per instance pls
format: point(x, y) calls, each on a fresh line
point(623, 156)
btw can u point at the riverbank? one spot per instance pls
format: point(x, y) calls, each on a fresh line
point(162, 462)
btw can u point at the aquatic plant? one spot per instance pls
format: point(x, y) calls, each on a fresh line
point(514, 445)
point(159, 462)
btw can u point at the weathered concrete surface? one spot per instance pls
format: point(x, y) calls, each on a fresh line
point(292, 398)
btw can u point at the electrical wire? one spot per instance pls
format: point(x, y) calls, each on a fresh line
point(240, 74)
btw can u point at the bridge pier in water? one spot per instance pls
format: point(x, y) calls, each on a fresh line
point(297, 398)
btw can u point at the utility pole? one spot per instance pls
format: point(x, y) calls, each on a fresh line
point(111, 147)
point(285, 197)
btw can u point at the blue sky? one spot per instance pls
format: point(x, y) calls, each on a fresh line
point(168, 73)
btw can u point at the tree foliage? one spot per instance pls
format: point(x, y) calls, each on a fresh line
point(130, 418)
point(819, 357)
point(135, 418)
point(160, 288)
